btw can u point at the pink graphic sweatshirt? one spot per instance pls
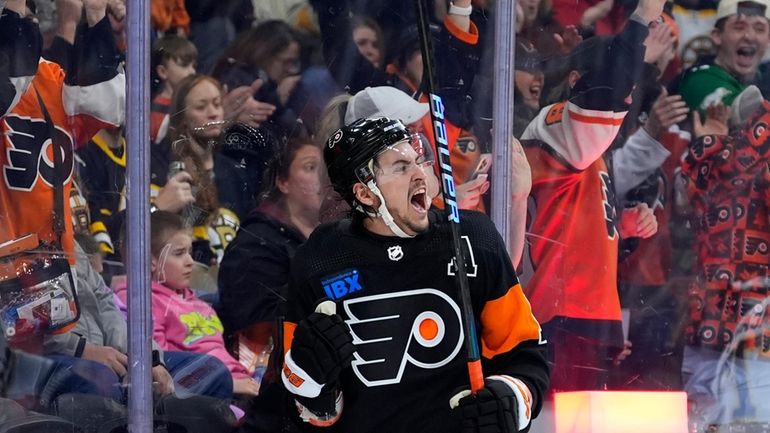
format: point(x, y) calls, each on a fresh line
point(182, 322)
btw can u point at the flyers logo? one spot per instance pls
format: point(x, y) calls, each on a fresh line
point(419, 327)
point(30, 153)
point(608, 204)
point(555, 114)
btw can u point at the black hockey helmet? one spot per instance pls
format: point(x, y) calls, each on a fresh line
point(348, 151)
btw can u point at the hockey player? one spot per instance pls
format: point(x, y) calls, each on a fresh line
point(392, 356)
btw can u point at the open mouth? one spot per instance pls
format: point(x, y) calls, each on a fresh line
point(535, 91)
point(419, 200)
point(746, 54)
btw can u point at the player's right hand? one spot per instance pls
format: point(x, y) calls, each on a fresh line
point(176, 194)
point(322, 347)
point(493, 409)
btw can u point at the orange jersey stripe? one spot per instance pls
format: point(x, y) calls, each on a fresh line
point(288, 335)
point(595, 120)
point(506, 322)
point(471, 37)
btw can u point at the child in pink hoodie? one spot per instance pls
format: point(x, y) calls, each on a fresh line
point(181, 321)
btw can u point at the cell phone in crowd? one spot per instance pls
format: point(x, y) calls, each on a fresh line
point(485, 163)
point(174, 168)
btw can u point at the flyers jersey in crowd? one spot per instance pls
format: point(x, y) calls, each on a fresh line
point(729, 188)
point(570, 263)
point(79, 105)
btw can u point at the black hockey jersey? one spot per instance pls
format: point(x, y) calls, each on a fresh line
point(104, 178)
point(400, 300)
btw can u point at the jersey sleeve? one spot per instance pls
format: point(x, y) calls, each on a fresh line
point(580, 130)
point(636, 161)
point(457, 56)
point(607, 85)
point(94, 93)
point(511, 342)
point(348, 67)
point(574, 136)
point(506, 316)
point(20, 48)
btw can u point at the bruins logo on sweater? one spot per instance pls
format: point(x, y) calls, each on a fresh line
point(420, 327)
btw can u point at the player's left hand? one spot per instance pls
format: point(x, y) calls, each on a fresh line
point(495, 408)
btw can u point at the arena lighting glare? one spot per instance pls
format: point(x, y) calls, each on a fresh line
point(620, 412)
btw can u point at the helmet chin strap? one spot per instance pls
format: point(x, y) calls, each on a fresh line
point(383, 212)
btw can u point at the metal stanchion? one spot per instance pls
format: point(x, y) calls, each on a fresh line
point(502, 109)
point(140, 400)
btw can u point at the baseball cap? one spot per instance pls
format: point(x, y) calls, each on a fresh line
point(753, 7)
point(384, 101)
point(705, 85)
point(527, 58)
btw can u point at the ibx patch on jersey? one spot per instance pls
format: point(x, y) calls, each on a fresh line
point(343, 284)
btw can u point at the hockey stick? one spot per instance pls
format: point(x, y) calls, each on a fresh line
point(449, 196)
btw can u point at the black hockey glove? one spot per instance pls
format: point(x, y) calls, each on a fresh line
point(322, 347)
point(322, 410)
point(494, 409)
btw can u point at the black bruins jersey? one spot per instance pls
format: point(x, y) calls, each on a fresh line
point(399, 298)
point(103, 173)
